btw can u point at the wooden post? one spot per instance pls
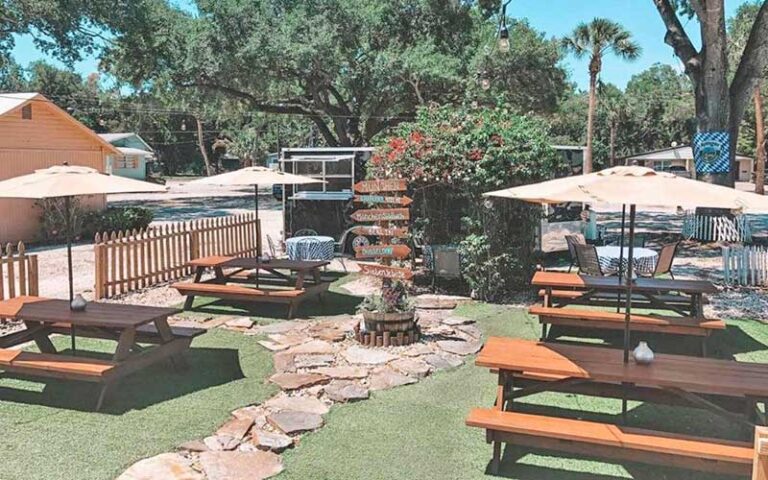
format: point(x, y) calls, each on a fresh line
point(760, 462)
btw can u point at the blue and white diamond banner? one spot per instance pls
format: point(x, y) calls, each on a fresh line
point(712, 150)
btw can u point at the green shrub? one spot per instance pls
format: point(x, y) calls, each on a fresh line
point(86, 223)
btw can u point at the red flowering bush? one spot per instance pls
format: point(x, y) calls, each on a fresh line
point(451, 156)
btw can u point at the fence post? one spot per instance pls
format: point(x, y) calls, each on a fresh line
point(99, 266)
point(760, 462)
point(194, 244)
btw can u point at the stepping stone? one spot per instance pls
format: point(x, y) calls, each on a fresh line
point(411, 367)
point(218, 443)
point(460, 347)
point(290, 422)
point(313, 347)
point(367, 356)
point(417, 349)
point(440, 302)
point(455, 321)
point(441, 361)
point(256, 465)
point(346, 392)
point(439, 329)
point(293, 381)
point(272, 346)
point(274, 441)
point(298, 404)
point(240, 322)
point(387, 378)
point(313, 361)
point(471, 330)
point(344, 373)
point(193, 446)
point(283, 362)
point(329, 334)
point(168, 466)
point(254, 413)
point(236, 428)
point(289, 340)
point(280, 327)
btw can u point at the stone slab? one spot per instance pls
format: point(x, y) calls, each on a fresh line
point(272, 441)
point(256, 465)
point(411, 367)
point(298, 404)
point(386, 378)
point(294, 381)
point(460, 347)
point(290, 422)
point(168, 466)
point(236, 428)
point(367, 356)
point(343, 373)
point(346, 392)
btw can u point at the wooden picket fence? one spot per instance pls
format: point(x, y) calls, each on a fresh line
point(18, 272)
point(710, 228)
point(745, 266)
point(129, 261)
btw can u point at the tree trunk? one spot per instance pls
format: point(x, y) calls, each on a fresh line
point(613, 143)
point(760, 143)
point(587, 168)
point(201, 145)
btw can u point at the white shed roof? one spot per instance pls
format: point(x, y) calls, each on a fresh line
point(10, 101)
point(134, 151)
point(674, 153)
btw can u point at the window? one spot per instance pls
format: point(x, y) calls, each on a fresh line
point(26, 112)
point(127, 162)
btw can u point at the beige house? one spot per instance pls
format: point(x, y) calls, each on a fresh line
point(35, 134)
point(680, 159)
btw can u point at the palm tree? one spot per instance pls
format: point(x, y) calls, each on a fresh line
point(596, 39)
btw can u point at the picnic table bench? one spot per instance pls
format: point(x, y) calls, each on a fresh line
point(597, 319)
point(699, 382)
point(129, 325)
point(278, 287)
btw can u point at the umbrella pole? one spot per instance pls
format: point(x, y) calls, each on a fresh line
point(621, 253)
point(258, 230)
point(628, 302)
point(68, 227)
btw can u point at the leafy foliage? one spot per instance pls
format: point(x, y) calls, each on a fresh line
point(451, 156)
point(394, 298)
point(86, 223)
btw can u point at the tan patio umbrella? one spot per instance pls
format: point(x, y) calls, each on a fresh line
point(64, 181)
point(255, 176)
point(635, 186)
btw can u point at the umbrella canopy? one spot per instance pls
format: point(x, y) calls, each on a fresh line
point(70, 181)
point(636, 186)
point(256, 176)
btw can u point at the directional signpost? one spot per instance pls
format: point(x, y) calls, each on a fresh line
point(377, 186)
point(381, 215)
point(404, 201)
point(396, 232)
point(383, 271)
point(382, 251)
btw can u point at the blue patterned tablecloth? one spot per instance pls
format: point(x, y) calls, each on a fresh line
point(310, 248)
point(644, 259)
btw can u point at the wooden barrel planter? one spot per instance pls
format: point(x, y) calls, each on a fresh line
point(388, 329)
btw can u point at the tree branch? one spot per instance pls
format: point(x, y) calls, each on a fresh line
point(678, 39)
point(752, 66)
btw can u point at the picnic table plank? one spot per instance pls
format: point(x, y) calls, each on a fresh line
point(576, 281)
point(109, 315)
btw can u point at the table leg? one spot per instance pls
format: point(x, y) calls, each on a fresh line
point(300, 279)
point(199, 274)
point(166, 335)
point(40, 337)
point(125, 344)
point(501, 390)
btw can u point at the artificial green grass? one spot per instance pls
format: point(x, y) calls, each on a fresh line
point(418, 431)
point(49, 431)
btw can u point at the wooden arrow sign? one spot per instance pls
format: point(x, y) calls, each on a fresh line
point(382, 214)
point(380, 231)
point(388, 185)
point(404, 201)
point(382, 251)
point(382, 271)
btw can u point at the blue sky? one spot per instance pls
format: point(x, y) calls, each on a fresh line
point(553, 17)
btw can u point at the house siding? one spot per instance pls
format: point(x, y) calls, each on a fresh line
point(48, 139)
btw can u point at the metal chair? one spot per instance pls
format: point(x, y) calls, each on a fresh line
point(666, 258)
point(273, 251)
point(572, 241)
point(589, 261)
point(305, 232)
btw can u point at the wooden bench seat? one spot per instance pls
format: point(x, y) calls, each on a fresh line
point(613, 297)
point(610, 441)
point(53, 365)
point(144, 334)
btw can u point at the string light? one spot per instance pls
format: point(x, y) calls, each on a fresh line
point(503, 30)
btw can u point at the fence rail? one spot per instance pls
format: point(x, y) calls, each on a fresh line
point(18, 272)
point(710, 228)
point(745, 266)
point(129, 261)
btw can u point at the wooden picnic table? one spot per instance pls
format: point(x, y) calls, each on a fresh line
point(304, 279)
point(654, 291)
point(129, 325)
point(560, 366)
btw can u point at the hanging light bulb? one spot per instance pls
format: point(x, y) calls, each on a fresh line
point(183, 125)
point(504, 39)
point(485, 83)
